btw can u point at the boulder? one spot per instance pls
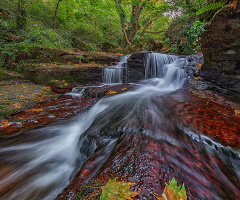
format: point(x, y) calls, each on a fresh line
point(221, 43)
point(136, 66)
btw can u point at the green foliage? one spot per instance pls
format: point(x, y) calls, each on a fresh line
point(181, 191)
point(4, 75)
point(117, 190)
point(87, 24)
point(211, 6)
point(190, 37)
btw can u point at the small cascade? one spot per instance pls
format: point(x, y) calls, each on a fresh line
point(77, 91)
point(168, 72)
point(114, 74)
point(155, 66)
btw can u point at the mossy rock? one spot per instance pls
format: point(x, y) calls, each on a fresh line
point(5, 76)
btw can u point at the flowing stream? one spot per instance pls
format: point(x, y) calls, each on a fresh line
point(42, 162)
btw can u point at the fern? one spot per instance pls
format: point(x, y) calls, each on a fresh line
point(211, 6)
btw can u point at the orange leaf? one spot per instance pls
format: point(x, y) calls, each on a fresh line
point(237, 112)
point(173, 192)
point(4, 123)
point(35, 110)
point(199, 65)
point(16, 105)
point(197, 78)
point(233, 4)
point(111, 92)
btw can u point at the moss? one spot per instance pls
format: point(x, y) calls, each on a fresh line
point(4, 76)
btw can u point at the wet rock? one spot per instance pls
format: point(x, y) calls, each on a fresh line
point(45, 54)
point(136, 66)
point(61, 89)
point(48, 73)
point(108, 90)
point(221, 43)
point(61, 107)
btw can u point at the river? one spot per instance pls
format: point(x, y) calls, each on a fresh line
point(137, 136)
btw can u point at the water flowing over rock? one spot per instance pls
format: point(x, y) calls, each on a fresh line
point(145, 136)
point(142, 65)
point(115, 74)
point(155, 66)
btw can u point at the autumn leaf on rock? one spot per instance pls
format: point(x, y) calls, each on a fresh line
point(4, 123)
point(173, 192)
point(35, 110)
point(237, 112)
point(114, 190)
point(111, 92)
point(16, 105)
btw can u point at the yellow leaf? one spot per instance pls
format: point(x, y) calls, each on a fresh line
point(35, 110)
point(4, 123)
point(114, 190)
point(173, 192)
point(237, 112)
point(111, 92)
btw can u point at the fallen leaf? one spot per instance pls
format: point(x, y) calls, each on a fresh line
point(199, 65)
point(16, 105)
point(173, 192)
point(237, 112)
point(20, 96)
point(111, 92)
point(4, 123)
point(35, 110)
point(233, 4)
point(197, 78)
point(114, 190)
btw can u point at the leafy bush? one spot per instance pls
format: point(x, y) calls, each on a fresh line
point(211, 6)
point(190, 37)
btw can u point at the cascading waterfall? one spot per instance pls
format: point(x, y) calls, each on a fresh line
point(114, 74)
point(155, 66)
point(41, 165)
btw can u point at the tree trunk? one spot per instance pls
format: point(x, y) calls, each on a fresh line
point(55, 14)
point(21, 14)
point(134, 24)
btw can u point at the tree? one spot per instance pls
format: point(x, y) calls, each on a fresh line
point(132, 24)
point(21, 14)
point(55, 14)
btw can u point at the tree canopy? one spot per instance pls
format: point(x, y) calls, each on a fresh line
point(93, 25)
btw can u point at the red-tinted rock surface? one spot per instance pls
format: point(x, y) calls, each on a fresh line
point(151, 163)
point(62, 107)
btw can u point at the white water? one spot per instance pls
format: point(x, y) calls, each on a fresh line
point(41, 167)
point(46, 166)
point(155, 66)
point(114, 74)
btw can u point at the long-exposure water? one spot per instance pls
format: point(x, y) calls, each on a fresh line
point(40, 163)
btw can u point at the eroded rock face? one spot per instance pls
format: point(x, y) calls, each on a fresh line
point(136, 66)
point(221, 44)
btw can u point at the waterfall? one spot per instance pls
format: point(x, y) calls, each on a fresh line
point(41, 162)
point(114, 74)
point(168, 72)
point(155, 66)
